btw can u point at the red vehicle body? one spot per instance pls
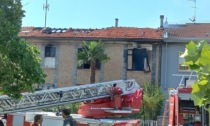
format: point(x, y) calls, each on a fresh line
point(183, 112)
point(102, 105)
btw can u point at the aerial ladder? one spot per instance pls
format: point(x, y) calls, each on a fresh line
point(98, 99)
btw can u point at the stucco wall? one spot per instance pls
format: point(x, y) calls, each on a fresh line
point(65, 65)
point(66, 72)
point(48, 71)
point(169, 66)
point(114, 67)
point(50, 75)
point(83, 76)
point(140, 76)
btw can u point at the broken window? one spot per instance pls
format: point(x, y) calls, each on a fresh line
point(138, 59)
point(50, 52)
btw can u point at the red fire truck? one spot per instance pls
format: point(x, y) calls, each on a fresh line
point(182, 111)
point(103, 104)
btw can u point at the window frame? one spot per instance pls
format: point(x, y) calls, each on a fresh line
point(51, 51)
point(130, 53)
point(50, 56)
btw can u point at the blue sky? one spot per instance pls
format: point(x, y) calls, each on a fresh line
point(102, 13)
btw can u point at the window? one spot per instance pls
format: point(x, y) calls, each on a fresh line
point(182, 67)
point(50, 52)
point(138, 60)
point(87, 65)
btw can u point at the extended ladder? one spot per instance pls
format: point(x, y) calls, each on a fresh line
point(165, 112)
point(59, 96)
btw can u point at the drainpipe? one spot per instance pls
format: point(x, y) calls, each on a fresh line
point(166, 65)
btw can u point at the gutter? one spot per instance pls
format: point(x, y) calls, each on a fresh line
point(93, 38)
point(184, 40)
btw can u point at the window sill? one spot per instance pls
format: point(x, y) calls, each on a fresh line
point(186, 71)
point(85, 69)
point(48, 67)
point(139, 71)
point(135, 70)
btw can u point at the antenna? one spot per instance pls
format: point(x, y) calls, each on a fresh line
point(46, 8)
point(193, 19)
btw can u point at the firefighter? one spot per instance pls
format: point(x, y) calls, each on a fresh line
point(116, 91)
point(38, 119)
point(1, 123)
point(68, 120)
point(3, 120)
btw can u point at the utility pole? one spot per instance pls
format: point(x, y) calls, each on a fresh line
point(46, 8)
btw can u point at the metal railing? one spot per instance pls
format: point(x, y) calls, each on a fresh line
point(149, 123)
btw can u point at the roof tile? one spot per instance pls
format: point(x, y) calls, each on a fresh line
point(197, 30)
point(112, 32)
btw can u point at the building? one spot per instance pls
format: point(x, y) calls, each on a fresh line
point(175, 39)
point(135, 53)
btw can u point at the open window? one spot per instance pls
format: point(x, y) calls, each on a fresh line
point(50, 52)
point(138, 59)
point(87, 65)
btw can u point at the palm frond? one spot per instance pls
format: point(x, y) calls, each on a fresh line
point(153, 100)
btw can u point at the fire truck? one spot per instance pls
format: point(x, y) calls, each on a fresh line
point(182, 111)
point(103, 104)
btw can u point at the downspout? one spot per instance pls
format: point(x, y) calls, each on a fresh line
point(166, 65)
point(57, 53)
point(160, 66)
point(74, 80)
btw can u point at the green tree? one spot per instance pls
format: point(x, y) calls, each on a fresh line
point(91, 53)
point(197, 58)
point(153, 99)
point(19, 66)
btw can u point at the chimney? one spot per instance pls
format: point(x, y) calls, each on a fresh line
point(161, 21)
point(116, 22)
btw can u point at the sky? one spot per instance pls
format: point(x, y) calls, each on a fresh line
point(102, 13)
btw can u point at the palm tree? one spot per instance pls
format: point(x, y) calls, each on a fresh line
point(91, 53)
point(153, 99)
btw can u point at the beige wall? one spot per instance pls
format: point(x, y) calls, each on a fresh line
point(140, 76)
point(50, 75)
point(83, 76)
point(65, 65)
point(113, 69)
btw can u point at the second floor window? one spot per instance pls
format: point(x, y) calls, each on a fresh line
point(138, 59)
point(50, 51)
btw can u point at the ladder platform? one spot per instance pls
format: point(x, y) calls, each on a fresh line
point(117, 111)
